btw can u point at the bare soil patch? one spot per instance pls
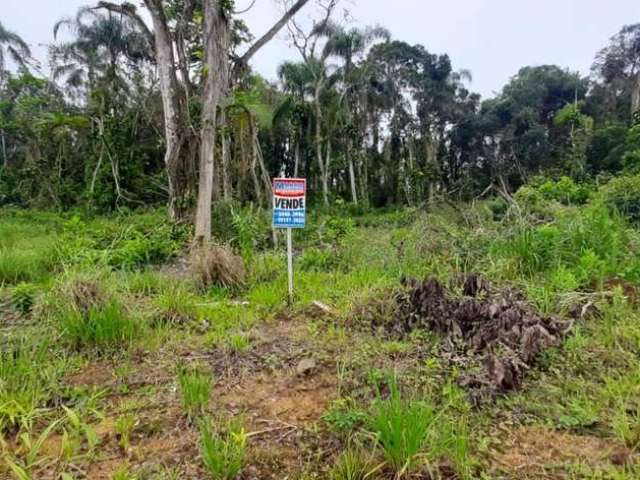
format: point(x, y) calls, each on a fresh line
point(542, 453)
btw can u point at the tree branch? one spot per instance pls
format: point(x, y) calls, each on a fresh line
point(262, 41)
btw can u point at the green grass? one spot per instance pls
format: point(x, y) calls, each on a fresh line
point(587, 386)
point(402, 427)
point(223, 453)
point(195, 390)
point(102, 328)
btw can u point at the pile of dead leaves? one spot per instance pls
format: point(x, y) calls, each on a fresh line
point(496, 330)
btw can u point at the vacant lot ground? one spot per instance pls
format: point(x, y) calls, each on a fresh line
point(118, 362)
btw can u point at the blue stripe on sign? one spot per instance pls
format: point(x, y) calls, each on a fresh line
point(289, 218)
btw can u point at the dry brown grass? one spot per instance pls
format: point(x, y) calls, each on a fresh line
point(218, 265)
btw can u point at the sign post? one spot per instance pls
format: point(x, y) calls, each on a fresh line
point(289, 208)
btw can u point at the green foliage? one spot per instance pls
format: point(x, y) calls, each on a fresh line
point(245, 228)
point(590, 242)
point(103, 328)
point(565, 191)
point(27, 378)
point(337, 230)
point(623, 194)
point(23, 297)
point(129, 242)
point(318, 259)
point(195, 388)
point(402, 428)
point(223, 452)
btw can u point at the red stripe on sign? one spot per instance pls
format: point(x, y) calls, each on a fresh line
point(289, 187)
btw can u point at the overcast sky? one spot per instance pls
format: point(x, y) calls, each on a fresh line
point(492, 38)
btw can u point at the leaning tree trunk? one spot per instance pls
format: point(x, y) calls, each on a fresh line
point(216, 81)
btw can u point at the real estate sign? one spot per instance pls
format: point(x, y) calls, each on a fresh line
point(289, 202)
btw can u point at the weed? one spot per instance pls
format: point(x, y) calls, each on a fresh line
point(195, 387)
point(175, 307)
point(238, 342)
point(124, 427)
point(101, 328)
point(23, 297)
point(354, 464)
point(223, 453)
point(402, 427)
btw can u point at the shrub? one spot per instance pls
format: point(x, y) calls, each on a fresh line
point(23, 297)
point(338, 229)
point(195, 387)
point(317, 259)
point(100, 327)
point(401, 427)
point(623, 195)
point(565, 191)
point(223, 453)
point(218, 265)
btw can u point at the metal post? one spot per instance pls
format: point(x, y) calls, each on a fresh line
point(290, 264)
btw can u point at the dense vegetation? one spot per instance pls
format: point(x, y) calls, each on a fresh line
point(133, 349)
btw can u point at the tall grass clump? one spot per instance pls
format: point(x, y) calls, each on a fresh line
point(402, 427)
point(591, 242)
point(29, 265)
point(354, 464)
point(101, 327)
point(223, 453)
point(195, 388)
point(25, 379)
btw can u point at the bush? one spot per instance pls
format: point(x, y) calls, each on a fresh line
point(245, 228)
point(337, 229)
point(316, 259)
point(223, 453)
point(23, 297)
point(565, 191)
point(623, 195)
point(101, 327)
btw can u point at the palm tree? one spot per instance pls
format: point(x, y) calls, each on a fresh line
point(103, 45)
point(13, 47)
point(349, 46)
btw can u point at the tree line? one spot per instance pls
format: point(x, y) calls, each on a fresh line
point(137, 113)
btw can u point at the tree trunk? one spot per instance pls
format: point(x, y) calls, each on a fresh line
point(352, 174)
point(227, 187)
point(635, 100)
point(178, 161)
point(296, 161)
point(216, 81)
point(324, 174)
